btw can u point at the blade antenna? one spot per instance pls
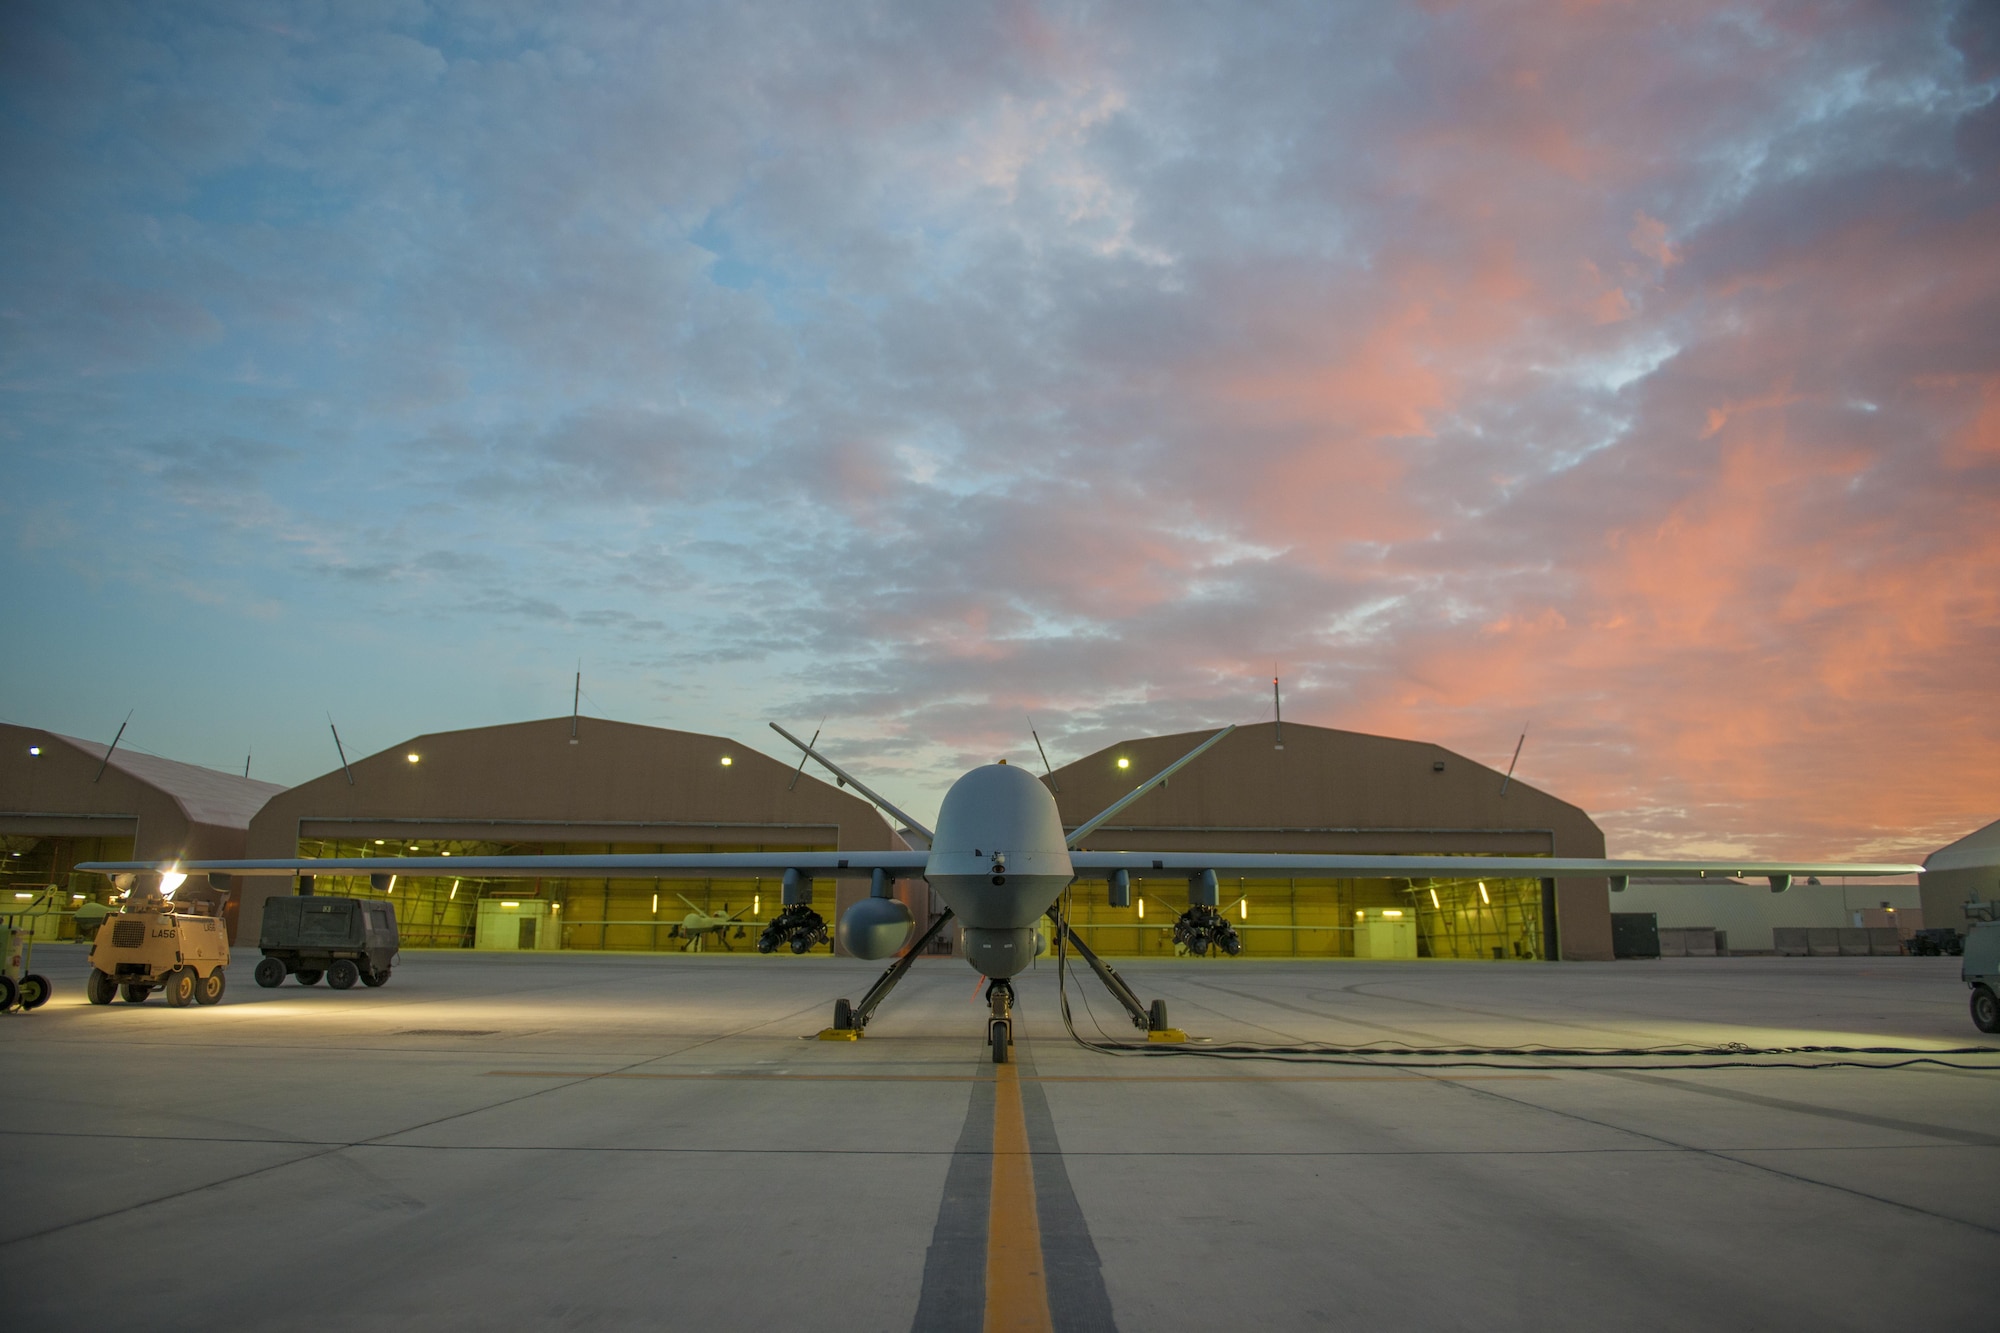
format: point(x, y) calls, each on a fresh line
point(1053, 784)
point(1509, 779)
point(848, 779)
point(114, 744)
point(340, 749)
point(799, 772)
point(1084, 830)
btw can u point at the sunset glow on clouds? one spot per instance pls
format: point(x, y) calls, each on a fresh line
point(1627, 373)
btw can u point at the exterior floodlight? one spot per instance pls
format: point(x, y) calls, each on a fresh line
point(727, 761)
point(1124, 763)
point(34, 749)
point(413, 756)
point(1434, 900)
point(169, 881)
point(1482, 894)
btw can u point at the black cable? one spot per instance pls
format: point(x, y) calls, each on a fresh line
point(1531, 1057)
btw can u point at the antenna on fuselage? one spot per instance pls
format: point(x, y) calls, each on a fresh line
point(849, 780)
point(1053, 784)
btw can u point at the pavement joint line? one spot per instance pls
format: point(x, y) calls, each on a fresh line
point(1966, 1136)
point(1662, 1149)
point(761, 1077)
point(1724, 1155)
point(374, 1141)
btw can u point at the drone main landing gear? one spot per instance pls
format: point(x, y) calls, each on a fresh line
point(850, 1019)
point(1150, 1020)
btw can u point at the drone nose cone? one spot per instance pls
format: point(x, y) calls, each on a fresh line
point(998, 808)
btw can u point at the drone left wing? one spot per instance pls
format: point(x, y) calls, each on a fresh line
point(666, 865)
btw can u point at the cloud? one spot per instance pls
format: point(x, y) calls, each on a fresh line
point(1624, 371)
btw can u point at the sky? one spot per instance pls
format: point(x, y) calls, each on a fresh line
point(1627, 375)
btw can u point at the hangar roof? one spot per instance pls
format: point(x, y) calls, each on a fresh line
point(1981, 847)
point(206, 795)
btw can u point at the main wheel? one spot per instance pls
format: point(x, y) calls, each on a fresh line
point(180, 987)
point(1985, 1009)
point(135, 992)
point(270, 972)
point(843, 1016)
point(209, 988)
point(308, 976)
point(35, 991)
point(372, 978)
point(1000, 1034)
point(1156, 1017)
point(100, 989)
point(341, 974)
point(9, 993)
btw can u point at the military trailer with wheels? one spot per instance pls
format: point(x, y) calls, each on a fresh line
point(1981, 971)
point(156, 943)
point(344, 940)
point(18, 985)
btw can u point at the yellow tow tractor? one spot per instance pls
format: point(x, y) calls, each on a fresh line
point(168, 936)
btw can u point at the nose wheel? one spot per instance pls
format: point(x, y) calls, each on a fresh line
point(1000, 1023)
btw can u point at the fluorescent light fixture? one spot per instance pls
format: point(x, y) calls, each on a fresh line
point(392, 885)
point(1360, 915)
point(444, 853)
point(756, 903)
point(76, 897)
point(1434, 900)
point(454, 891)
point(378, 842)
point(1244, 904)
point(1393, 912)
point(1124, 763)
point(24, 895)
point(413, 846)
point(656, 902)
point(1142, 907)
point(413, 756)
point(555, 907)
point(1482, 894)
point(510, 904)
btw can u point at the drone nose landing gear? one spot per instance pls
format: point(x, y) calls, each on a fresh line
point(1000, 1026)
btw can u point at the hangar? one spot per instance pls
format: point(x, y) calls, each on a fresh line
point(562, 786)
point(1960, 885)
point(64, 800)
point(1300, 788)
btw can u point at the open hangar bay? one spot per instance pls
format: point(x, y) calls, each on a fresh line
point(593, 1140)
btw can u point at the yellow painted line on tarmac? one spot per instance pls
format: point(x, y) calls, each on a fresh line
point(1017, 1289)
point(754, 1076)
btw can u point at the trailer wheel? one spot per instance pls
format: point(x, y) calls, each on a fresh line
point(100, 989)
point(35, 991)
point(375, 978)
point(308, 976)
point(1985, 1009)
point(135, 992)
point(180, 987)
point(270, 973)
point(209, 989)
point(341, 974)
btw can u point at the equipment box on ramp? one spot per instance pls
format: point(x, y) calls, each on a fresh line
point(1981, 971)
point(343, 939)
